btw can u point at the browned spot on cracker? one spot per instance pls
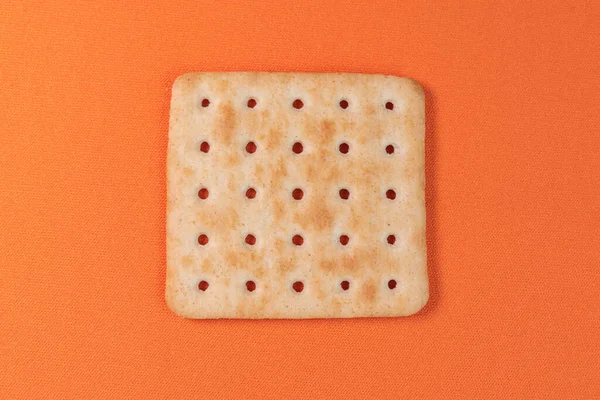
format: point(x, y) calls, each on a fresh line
point(371, 128)
point(226, 281)
point(233, 217)
point(327, 130)
point(279, 245)
point(255, 121)
point(231, 258)
point(310, 129)
point(329, 264)
point(333, 174)
point(319, 132)
point(417, 239)
point(356, 219)
point(218, 217)
point(260, 272)
point(251, 259)
point(374, 131)
point(273, 139)
point(361, 258)
point(369, 291)
point(186, 261)
point(278, 211)
point(352, 262)
point(372, 169)
point(206, 265)
point(264, 301)
point(233, 159)
point(279, 173)
point(320, 155)
point(318, 215)
point(259, 172)
point(226, 123)
point(286, 79)
point(348, 126)
point(287, 263)
point(252, 128)
point(223, 85)
point(188, 172)
point(310, 171)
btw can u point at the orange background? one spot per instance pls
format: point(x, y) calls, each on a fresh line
point(513, 201)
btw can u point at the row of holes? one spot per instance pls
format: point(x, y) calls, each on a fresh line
point(297, 194)
point(297, 104)
point(297, 286)
point(297, 148)
point(298, 240)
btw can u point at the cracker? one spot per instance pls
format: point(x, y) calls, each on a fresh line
point(259, 166)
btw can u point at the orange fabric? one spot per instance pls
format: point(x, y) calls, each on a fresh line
point(513, 201)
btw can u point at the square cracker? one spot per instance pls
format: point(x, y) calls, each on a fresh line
point(213, 279)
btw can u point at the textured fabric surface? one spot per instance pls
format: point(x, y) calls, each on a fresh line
point(513, 201)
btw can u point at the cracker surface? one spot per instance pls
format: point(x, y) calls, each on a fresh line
point(296, 195)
